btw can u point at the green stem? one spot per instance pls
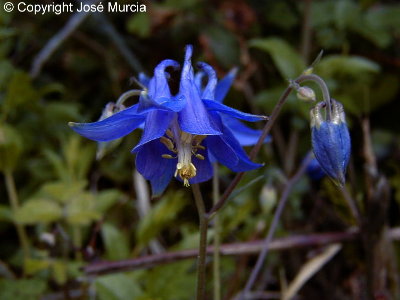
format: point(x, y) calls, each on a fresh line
point(13, 198)
point(324, 88)
point(217, 239)
point(201, 258)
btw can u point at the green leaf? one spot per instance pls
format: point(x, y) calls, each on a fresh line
point(23, 289)
point(118, 287)
point(10, 147)
point(116, 242)
point(139, 24)
point(161, 215)
point(224, 46)
point(38, 211)
point(81, 210)
point(63, 191)
point(286, 59)
point(20, 91)
point(33, 266)
point(59, 271)
point(105, 199)
point(175, 281)
point(340, 65)
point(5, 213)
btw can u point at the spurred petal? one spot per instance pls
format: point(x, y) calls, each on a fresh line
point(209, 90)
point(159, 94)
point(154, 167)
point(157, 122)
point(245, 135)
point(193, 118)
point(224, 85)
point(198, 80)
point(212, 105)
point(116, 126)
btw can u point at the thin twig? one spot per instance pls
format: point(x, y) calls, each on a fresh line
point(267, 129)
point(119, 42)
point(217, 239)
point(201, 258)
point(254, 151)
point(273, 227)
point(55, 42)
point(246, 248)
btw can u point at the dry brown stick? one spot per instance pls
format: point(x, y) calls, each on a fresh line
point(246, 248)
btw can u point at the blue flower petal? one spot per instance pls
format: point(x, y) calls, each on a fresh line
point(116, 126)
point(224, 85)
point(331, 146)
point(198, 80)
point(157, 122)
point(212, 105)
point(245, 135)
point(154, 167)
point(235, 158)
point(209, 90)
point(193, 118)
point(244, 163)
point(159, 94)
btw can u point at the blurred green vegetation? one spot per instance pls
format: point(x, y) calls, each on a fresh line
point(71, 209)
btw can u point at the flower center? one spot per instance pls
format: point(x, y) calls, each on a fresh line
point(184, 145)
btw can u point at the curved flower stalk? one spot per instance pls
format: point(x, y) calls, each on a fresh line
point(182, 133)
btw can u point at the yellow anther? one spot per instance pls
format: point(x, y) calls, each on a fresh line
point(198, 139)
point(199, 156)
point(169, 133)
point(168, 156)
point(199, 147)
point(168, 143)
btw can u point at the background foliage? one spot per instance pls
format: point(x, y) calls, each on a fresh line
point(75, 209)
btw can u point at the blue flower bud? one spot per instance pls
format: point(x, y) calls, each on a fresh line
point(331, 141)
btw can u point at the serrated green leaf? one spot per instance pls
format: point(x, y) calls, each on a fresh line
point(38, 211)
point(161, 215)
point(286, 59)
point(116, 242)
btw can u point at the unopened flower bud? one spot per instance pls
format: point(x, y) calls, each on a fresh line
point(306, 94)
point(331, 141)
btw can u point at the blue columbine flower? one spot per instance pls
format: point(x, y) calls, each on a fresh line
point(245, 135)
point(331, 141)
point(181, 133)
